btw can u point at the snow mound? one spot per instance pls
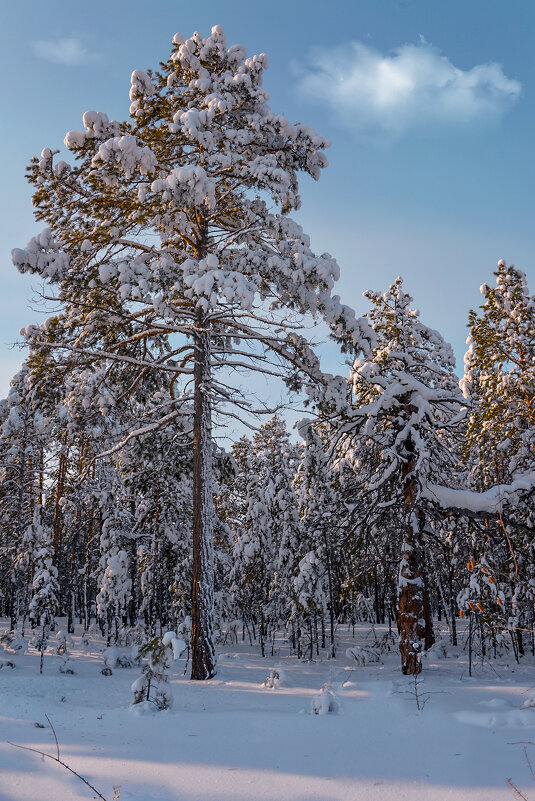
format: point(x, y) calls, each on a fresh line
point(442, 649)
point(14, 643)
point(145, 708)
point(114, 657)
point(501, 716)
point(325, 702)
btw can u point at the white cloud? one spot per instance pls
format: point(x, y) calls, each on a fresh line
point(412, 87)
point(68, 51)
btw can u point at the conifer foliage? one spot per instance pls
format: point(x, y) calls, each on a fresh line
point(176, 268)
point(500, 381)
point(391, 437)
point(167, 256)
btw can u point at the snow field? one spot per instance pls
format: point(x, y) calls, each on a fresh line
point(235, 739)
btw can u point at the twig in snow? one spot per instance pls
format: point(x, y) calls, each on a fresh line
point(510, 782)
point(57, 759)
point(515, 790)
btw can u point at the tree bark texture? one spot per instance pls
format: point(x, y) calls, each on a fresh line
point(203, 657)
point(410, 612)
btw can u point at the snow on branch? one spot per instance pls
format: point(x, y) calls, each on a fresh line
point(489, 502)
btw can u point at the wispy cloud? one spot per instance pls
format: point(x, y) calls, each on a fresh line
point(411, 87)
point(69, 51)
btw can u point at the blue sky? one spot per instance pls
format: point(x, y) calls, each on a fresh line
point(429, 107)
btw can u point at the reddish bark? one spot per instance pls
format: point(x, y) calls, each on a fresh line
point(414, 633)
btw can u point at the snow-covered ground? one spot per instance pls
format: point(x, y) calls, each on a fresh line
point(233, 739)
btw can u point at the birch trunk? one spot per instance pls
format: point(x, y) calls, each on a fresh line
point(203, 658)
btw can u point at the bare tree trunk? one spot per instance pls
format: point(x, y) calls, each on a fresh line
point(261, 633)
point(410, 613)
point(203, 658)
point(429, 635)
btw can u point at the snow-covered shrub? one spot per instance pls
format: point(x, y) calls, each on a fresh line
point(388, 642)
point(61, 639)
point(363, 655)
point(325, 702)
point(152, 687)
point(113, 657)
point(38, 641)
point(110, 656)
point(442, 649)
point(486, 602)
point(63, 642)
point(14, 642)
point(277, 678)
point(228, 632)
point(134, 635)
point(64, 666)
point(93, 632)
point(125, 661)
point(183, 630)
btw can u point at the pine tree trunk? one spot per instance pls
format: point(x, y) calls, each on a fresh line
point(429, 635)
point(410, 612)
point(261, 633)
point(331, 606)
point(132, 604)
point(203, 658)
point(71, 608)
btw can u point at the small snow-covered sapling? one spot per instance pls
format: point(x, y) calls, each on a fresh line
point(152, 687)
point(277, 678)
point(62, 651)
point(325, 703)
point(14, 642)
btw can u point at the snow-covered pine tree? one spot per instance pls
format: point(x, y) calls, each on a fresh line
point(403, 397)
point(22, 441)
point(166, 254)
point(280, 459)
point(80, 491)
point(500, 381)
point(44, 600)
point(247, 559)
point(267, 546)
point(152, 687)
point(157, 473)
point(317, 583)
point(115, 582)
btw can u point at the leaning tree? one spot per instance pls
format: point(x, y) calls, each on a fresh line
point(170, 246)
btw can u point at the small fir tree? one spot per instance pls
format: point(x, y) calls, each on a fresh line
point(152, 687)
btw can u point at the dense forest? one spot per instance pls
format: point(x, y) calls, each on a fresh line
point(177, 273)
